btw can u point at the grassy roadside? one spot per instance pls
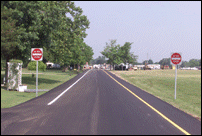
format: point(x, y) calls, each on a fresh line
point(161, 83)
point(46, 80)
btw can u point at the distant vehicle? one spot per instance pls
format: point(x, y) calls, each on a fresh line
point(96, 66)
point(135, 68)
point(121, 66)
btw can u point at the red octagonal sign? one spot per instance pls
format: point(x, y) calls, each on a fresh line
point(37, 54)
point(176, 58)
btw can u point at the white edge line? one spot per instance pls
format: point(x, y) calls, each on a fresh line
point(66, 90)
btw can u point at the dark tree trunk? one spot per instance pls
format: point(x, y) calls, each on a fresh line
point(78, 67)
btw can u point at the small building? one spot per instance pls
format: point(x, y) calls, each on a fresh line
point(139, 67)
point(154, 66)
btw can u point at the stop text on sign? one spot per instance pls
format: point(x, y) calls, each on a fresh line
point(37, 54)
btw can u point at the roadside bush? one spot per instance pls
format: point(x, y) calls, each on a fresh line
point(32, 66)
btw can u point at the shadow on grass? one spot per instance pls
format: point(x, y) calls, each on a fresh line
point(32, 81)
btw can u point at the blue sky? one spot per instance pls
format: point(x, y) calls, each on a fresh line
point(156, 28)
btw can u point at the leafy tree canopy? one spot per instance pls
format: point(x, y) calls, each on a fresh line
point(117, 54)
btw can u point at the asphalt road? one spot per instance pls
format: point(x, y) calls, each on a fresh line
point(98, 105)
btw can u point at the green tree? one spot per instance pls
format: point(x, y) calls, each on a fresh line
point(30, 20)
point(27, 15)
point(193, 62)
point(165, 61)
point(150, 61)
point(133, 59)
point(88, 52)
point(112, 52)
point(100, 60)
point(184, 64)
point(71, 49)
point(9, 36)
point(119, 54)
point(47, 26)
point(145, 62)
point(125, 54)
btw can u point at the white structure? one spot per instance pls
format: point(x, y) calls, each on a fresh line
point(22, 88)
point(139, 66)
point(14, 79)
point(154, 66)
point(189, 68)
point(52, 65)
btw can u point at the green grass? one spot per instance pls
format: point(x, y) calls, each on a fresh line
point(161, 83)
point(46, 80)
point(12, 98)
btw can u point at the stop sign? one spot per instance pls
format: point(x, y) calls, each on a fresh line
point(37, 54)
point(176, 58)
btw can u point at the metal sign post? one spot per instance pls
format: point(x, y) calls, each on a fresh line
point(176, 59)
point(36, 78)
point(175, 79)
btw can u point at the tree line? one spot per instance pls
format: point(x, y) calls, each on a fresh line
point(163, 62)
point(59, 27)
point(166, 61)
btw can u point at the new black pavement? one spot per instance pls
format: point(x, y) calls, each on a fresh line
point(187, 122)
point(95, 105)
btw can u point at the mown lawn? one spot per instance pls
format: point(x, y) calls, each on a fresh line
point(161, 83)
point(46, 80)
